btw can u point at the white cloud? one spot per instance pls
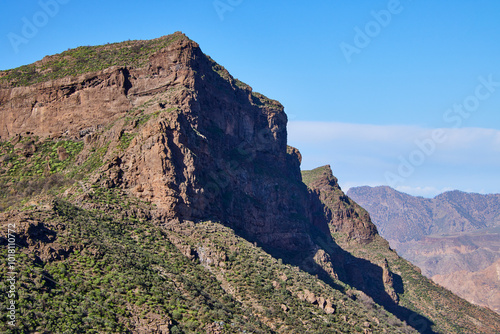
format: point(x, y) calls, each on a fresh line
point(361, 154)
point(321, 131)
point(314, 132)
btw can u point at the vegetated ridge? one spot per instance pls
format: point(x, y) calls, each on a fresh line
point(153, 192)
point(454, 238)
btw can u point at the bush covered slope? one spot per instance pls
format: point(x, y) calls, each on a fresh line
point(160, 196)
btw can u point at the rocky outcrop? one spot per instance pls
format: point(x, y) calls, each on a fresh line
point(65, 106)
point(342, 213)
point(388, 280)
point(179, 132)
point(77, 105)
point(321, 302)
point(36, 235)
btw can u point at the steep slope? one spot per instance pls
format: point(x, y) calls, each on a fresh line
point(376, 269)
point(454, 235)
point(480, 287)
point(109, 267)
point(159, 195)
point(162, 152)
point(206, 119)
point(341, 213)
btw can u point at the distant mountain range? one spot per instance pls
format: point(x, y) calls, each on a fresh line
point(454, 238)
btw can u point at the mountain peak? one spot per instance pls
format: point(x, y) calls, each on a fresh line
point(152, 149)
point(86, 59)
point(342, 214)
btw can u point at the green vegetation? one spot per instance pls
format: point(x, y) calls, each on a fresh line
point(125, 140)
point(419, 298)
point(309, 176)
point(29, 167)
point(121, 271)
point(98, 289)
point(94, 258)
point(257, 98)
point(260, 99)
point(86, 59)
point(94, 161)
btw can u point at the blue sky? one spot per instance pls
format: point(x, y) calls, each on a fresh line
point(369, 81)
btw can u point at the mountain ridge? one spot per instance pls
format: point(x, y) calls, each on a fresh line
point(189, 174)
point(454, 237)
point(458, 217)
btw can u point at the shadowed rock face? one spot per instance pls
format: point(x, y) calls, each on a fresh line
point(342, 213)
point(218, 152)
point(177, 130)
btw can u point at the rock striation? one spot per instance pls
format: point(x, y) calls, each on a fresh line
point(218, 150)
point(158, 148)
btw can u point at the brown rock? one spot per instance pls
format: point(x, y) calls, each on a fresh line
point(211, 148)
point(62, 154)
point(342, 213)
point(310, 297)
point(321, 302)
point(329, 308)
point(283, 277)
point(386, 274)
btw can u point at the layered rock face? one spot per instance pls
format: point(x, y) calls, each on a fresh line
point(169, 150)
point(342, 213)
point(215, 149)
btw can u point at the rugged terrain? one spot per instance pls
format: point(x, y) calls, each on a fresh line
point(454, 238)
point(153, 192)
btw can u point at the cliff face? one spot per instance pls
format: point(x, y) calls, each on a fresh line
point(342, 213)
point(65, 106)
point(217, 150)
point(153, 150)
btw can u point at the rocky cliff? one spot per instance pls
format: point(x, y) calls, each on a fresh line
point(341, 213)
point(215, 149)
point(153, 150)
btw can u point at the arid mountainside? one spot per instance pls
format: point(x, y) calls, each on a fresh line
point(454, 238)
point(152, 192)
point(480, 287)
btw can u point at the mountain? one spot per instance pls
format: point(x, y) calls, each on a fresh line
point(152, 192)
point(454, 238)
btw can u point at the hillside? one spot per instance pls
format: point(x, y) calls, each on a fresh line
point(152, 192)
point(454, 238)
